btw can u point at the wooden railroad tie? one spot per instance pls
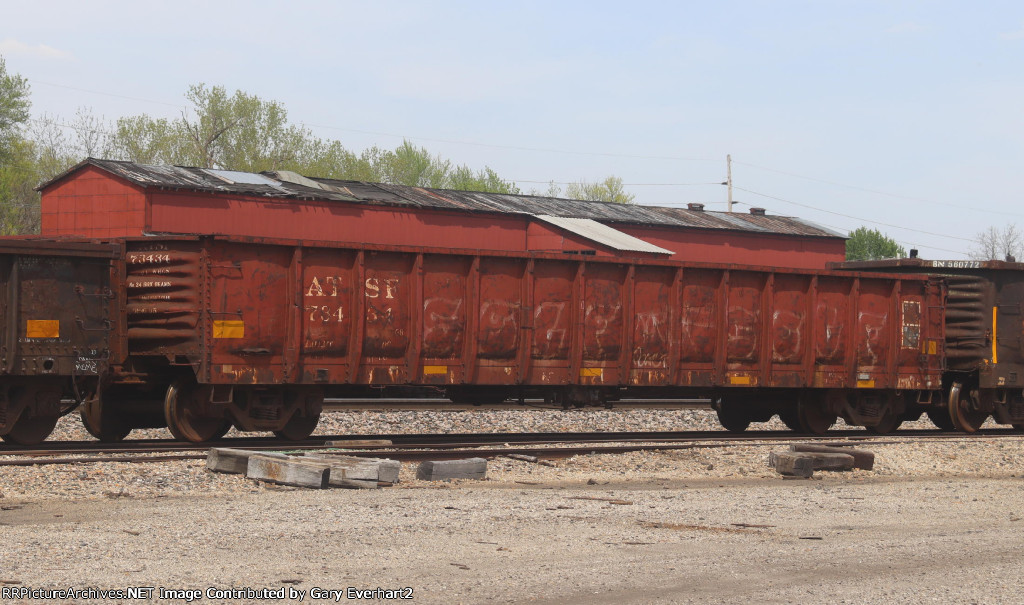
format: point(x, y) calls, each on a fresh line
point(446, 470)
point(313, 470)
point(803, 459)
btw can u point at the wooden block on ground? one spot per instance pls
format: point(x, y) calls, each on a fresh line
point(300, 472)
point(388, 470)
point(231, 460)
point(791, 463)
point(369, 469)
point(444, 470)
point(862, 459)
point(822, 461)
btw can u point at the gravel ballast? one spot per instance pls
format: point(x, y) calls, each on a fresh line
point(934, 521)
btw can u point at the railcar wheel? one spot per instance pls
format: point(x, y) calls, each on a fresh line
point(33, 427)
point(813, 416)
point(791, 420)
point(298, 427)
point(101, 421)
point(183, 418)
point(733, 419)
point(887, 424)
point(962, 410)
point(940, 418)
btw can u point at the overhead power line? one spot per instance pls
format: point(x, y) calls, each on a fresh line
point(877, 192)
point(514, 147)
point(866, 220)
point(107, 94)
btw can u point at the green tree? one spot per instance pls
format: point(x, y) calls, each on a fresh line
point(19, 203)
point(608, 190)
point(233, 132)
point(147, 140)
point(243, 132)
point(871, 244)
point(14, 106)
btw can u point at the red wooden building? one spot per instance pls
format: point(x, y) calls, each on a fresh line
point(106, 198)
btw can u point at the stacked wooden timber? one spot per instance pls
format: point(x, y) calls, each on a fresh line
point(446, 470)
point(803, 459)
point(318, 471)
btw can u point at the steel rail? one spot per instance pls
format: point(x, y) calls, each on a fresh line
point(496, 447)
point(414, 440)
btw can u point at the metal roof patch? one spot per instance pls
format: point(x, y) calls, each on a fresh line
point(602, 234)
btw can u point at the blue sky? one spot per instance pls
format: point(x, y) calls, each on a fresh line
point(908, 114)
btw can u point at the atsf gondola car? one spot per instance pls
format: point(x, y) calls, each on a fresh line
point(218, 331)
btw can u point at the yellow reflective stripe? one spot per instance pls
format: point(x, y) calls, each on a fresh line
point(739, 380)
point(427, 370)
point(223, 328)
point(995, 357)
point(42, 328)
point(591, 372)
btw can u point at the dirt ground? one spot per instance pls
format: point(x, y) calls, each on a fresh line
point(836, 539)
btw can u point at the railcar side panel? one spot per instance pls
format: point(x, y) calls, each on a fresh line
point(790, 330)
point(247, 313)
point(874, 331)
point(497, 347)
point(702, 326)
point(249, 310)
point(654, 350)
point(832, 332)
point(604, 310)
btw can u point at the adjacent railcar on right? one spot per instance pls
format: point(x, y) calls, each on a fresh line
point(984, 339)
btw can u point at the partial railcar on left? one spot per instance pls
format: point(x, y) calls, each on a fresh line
point(56, 302)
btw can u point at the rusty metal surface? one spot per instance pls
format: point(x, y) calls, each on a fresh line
point(929, 266)
point(57, 315)
point(286, 187)
point(263, 314)
point(984, 317)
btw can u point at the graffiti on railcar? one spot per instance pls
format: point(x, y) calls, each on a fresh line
point(651, 339)
point(743, 338)
point(444, 321)
point(602, 331)
point(871, 348)
point(788, 332)
point(831, 343)
point(551, 330)
point(499, 329)
point(699, 320)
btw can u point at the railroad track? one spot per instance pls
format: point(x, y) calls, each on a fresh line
point(413, 447)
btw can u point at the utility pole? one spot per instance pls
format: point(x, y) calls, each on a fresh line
point(728, 180)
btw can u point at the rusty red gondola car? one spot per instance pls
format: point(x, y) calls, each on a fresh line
point(221, 331)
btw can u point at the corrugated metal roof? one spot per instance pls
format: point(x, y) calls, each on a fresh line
point(603, 234)
point(286, 186)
